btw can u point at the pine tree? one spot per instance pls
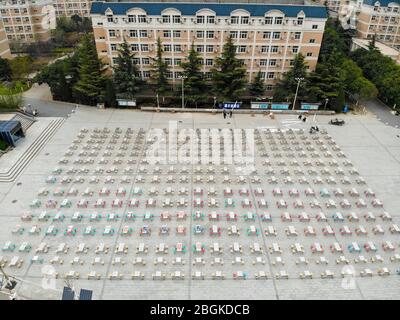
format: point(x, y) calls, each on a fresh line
point(126, 78)
point(5, 70)
point(89, 89)
point(285, 89)
point(257, 87)
point(194, 83)
point(229, 76)
point(160, 69)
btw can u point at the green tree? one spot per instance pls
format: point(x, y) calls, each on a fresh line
point(286, 87)
point(229, 75)
point(60, 77)
point(126, 78)
point(21, 66)
point(159, 72)
point(5, 70)
point(110, 99)
point(89, 89)
point(194, 83)
point(257, 87)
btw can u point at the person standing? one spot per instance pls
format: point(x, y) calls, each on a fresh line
point(224, 112)
point(230, 113)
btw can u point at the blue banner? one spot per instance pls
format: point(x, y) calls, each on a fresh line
point(280, 106)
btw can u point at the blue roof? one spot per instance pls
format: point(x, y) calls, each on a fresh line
point(221, 9)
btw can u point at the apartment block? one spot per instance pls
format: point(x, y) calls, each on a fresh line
point(69, 8)
point(27, 20)
point(374, 18)
point(4, 46)
point(267, 36)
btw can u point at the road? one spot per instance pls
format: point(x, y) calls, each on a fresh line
point(382, 112)
point(48, 108)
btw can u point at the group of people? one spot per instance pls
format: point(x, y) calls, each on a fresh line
point(314, 129)
point(302, 117)
point(226, 113)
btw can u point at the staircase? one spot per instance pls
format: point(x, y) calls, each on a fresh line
point(13, 173)
point(26, 121)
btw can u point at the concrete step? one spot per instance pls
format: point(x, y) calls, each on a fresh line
point(18, 167)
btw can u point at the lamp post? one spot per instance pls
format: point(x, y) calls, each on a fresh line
point(183, 92)
point(297, 90)
point(326, 102)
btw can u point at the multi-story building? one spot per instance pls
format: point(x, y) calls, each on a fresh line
point(4, 46)
point(387, 51)
point(381, 19)
point(27, 20)
point(267, 36)
point(72, 7)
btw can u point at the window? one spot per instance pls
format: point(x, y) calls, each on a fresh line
point(168, 61)
point(263, 62)
point(166, 19)
point(178, 75)
point(167, 34)
point(312, 41)
point(300, 21)
point(234, 34)
point(244, 20)
point(295, 49)
point(113, 47)
point(111, 33)
point(234, 20)
point(268, 20)
point(110, 18)
point(207, 75)
point(146, 74)
point(135, 60)
point(131, 18)
point(144, 47)
point(177, 62)
point(210, 34)
point(264, 49)
point(200, 34)
point(274, 49)
point(114, 60)
point(177, 33)
point(297, 35)
point(176, 19)
point(267, 35)
point(243, 34)
point(145, 61)
point(209, 62)
point(269, 87)
point(315, 26)
point(143, 33)
point(209, 48)
point(142, 18)
point(278, 20)
point(270, 75)
point(199, 48)
point(241, 49)
point(133, 33)
point(169, 74)
point(276, 35)
point(135, 47)
point(177, 48)
point(309, 54)
point(200, 19)
point(272, 62)
point(210, 19)
point(167, 48)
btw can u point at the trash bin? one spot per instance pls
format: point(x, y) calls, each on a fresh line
point(345, 108)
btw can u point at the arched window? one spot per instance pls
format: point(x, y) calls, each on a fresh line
point(205, 16)
point(240, 16)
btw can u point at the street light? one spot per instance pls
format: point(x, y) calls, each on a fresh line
point(326, 102)
point(183, 92)
point(297, 90)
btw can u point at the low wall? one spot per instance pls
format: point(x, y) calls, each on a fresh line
point(239, 111)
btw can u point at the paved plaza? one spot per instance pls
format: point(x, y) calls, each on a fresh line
point(314, 217)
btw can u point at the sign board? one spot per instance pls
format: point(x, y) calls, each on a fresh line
point(280, 106)
point(126, 103)
point(231, 105)
point(259, 105)
point(309, 106)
